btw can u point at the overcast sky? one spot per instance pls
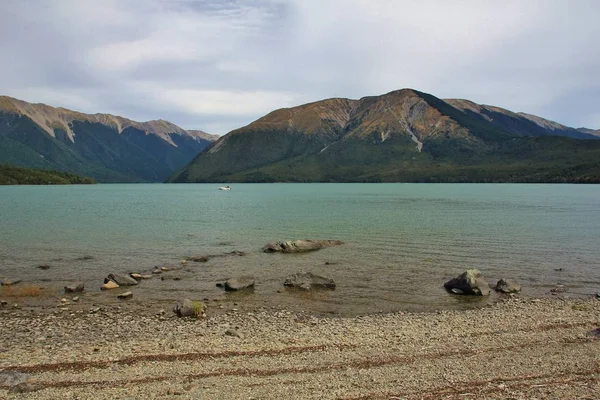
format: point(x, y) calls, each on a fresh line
point(218, 65)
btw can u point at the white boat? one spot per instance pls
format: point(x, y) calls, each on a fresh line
point(225, 188)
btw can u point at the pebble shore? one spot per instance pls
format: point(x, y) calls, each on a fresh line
point(516, 348)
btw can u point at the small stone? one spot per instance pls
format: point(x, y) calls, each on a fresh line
point(76, 298)
point(507, 286)
point(3, 303)
point(75, 288)
point(558, 289)
point(137, 277)
point(44, 266)
point(234, 333)
point(26, 387)
point(125, 296)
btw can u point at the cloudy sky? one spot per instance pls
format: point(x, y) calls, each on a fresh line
point(218, 65)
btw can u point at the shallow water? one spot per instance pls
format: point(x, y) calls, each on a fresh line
point(403, 241)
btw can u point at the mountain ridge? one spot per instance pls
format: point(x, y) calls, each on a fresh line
point(106, 147)
point(403, 135)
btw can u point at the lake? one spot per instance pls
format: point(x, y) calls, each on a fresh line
point(402, 241)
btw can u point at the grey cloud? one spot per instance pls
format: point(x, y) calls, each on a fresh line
point(134, 58)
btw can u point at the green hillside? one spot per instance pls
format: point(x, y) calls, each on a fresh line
point(10, 175)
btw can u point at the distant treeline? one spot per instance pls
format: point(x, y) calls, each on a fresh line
point(10, 175)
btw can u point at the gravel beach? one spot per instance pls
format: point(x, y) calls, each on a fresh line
point(516, 348)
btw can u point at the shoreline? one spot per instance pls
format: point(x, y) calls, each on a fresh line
point(516, 347)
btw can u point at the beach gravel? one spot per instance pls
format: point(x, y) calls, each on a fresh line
point(518, 348)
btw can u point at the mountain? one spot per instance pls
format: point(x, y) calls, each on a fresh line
point(590, 131)
point(10, 175)
point(105, 147)
point(519, 124)
point(401, 136)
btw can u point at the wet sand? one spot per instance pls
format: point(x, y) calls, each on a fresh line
point(515, 348)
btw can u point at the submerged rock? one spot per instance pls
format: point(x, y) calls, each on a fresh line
point(507, 286)
point(308, 280)
point(198, 259)
point(121, 280)
point(299, 246)
point(470, 282)
point(125, 296)
point(44, 266)
point(239, 283)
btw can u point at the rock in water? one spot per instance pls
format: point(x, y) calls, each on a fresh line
point(75, 288)
point(44, 266)
point(125, 296)
point(121, 280)
point(9, 282)
point(308, 280)
point(239, 283)
point(109, 285)
point(507, 286)
point(198, 259)
point(189, 308)
point(470, 282)
point(299, 246)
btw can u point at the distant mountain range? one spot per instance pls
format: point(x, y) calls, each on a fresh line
point(105, 147)
point(401, 136)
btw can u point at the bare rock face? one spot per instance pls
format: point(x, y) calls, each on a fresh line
point(470, 282)
point(308, 281)
point(299, 246)
point(75, 288)
point(507, 286)
point(239, 283)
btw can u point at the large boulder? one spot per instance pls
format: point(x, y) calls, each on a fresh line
point(299, 246)
point(75, 288)
point(507, 286)
point(189, 308)
point(239, 283)
point(470, 282)
point(308, 280)
point(121, 279)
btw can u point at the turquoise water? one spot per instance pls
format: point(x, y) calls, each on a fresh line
point(402, 240)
